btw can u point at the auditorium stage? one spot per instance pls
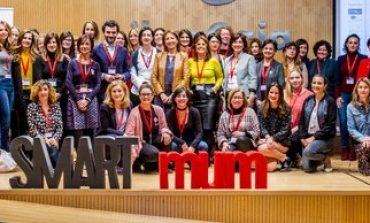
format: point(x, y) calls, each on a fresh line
point(296, 196)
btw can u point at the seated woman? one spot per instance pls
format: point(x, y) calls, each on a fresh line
point(358, 121)
point(185, 123)
point(148, 122)
point(238, 128)
point(274, 116)
point(44, 117)
point(115, 109)
point(317, 126)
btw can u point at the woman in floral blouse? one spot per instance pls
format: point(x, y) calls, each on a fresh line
point(44, 117)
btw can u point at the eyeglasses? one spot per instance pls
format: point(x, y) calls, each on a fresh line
point(237, 98)
point(146, 94)
point(69, 40)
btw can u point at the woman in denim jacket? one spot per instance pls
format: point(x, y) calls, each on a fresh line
point(358, 122)
point(317, 126)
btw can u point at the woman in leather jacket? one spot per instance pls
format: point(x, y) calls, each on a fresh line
point(317, 126)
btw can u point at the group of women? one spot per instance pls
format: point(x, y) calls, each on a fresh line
point(187, 92)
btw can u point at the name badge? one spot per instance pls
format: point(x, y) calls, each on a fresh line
point(233, 140)
point(84, 88)
point(8, 76)
point(49, 135)
point(350, 80)
point(92, 71)
point(112, 70)
point(52, 82)
point(263, 87)
point(26, 82)
point(199, 87)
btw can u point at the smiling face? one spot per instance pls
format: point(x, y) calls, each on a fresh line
point(237, 100)
point(318, 85)
point(184, 39)
point(146, 38)
point(363, 91)
point(67, 43)
point(158, 37)
point(303, 50)
point(352, 45)
point(3, 33)
point(201, 47)
point(85, 47)
point(43, 93)
point(237, 45)
point(89, 30)
point(225, 36)
point(295, 79)
point(110, 34)
point(134, 37)
point(255, 48)
point(170, 41)
point(214, 44)
point(146, 96)
point(268, 51)
point(181, 100)
point(274, 95)
point(117, 94)
point(52, 45)
point(322, 52)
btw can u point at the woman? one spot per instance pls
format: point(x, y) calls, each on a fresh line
point(83, 83)
point(24, 58)
point(255, 49)
point(303, 52)
point(238, 128)
point(44, 117)
point(206, 80)
point(92, 30)
point(185, 123)
point(148, 122)
point(274, 116)
point(358, 117)
point(347, 67)
point(268, 70)
point(186, 41)
point(121, 39)
point(40, 44)
point(364, 67)
point(240, 69)
point(15, 32)
point(292, 61)
point(324, 65)
point(133, 39)
point(214, 41)
point(158, 38)
point(115, 109)
point(142, 63)
point(170, 70)
point(8, 84)
point(68, 45)
point(295, 95)
point(317, 126)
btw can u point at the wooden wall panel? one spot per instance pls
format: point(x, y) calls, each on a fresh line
point(301, 17)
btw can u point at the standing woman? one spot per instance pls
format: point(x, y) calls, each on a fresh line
point(44, 117)
point(323, 65)
point(24, 58)
point(121, 39)
point(238, 128)
point(158, 38)
point(240, 69)
point(83, 83)
point(8, 84)
point(274, 116)
point(303, 52)
point(68, 45)
point(115, 109)
point(347, 67)
point(186, 41)
point(291, 61)
point(214, 41)
point(148, 122)
point(268, 70)
point(358, 117)
point(185, 123)
point(142, 63)
point(92, 30)
point(133, 38)
point(317, 126)
point(206, 80)
point(170, 70)
point(255, 49)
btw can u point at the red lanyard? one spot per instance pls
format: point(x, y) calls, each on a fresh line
point(264, 73)
point(233, 67)
point(48, 119)
point(147, 61)
point(148, 122)
point(52, 68)
point(181, 123)
point(84, 73)
point(200, 74)
point(351, 67)
point(236, 127)
point(25, 66)
point(111, 59)
point(120, 120)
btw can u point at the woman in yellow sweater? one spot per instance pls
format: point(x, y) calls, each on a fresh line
point(205, 80)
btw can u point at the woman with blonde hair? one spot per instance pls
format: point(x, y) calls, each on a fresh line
point(115, 109)
point(358, 121)
point(44, 117)
point(133, 40)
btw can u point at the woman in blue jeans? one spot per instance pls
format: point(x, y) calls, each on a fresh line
point(6, 84)
point(317, 126)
